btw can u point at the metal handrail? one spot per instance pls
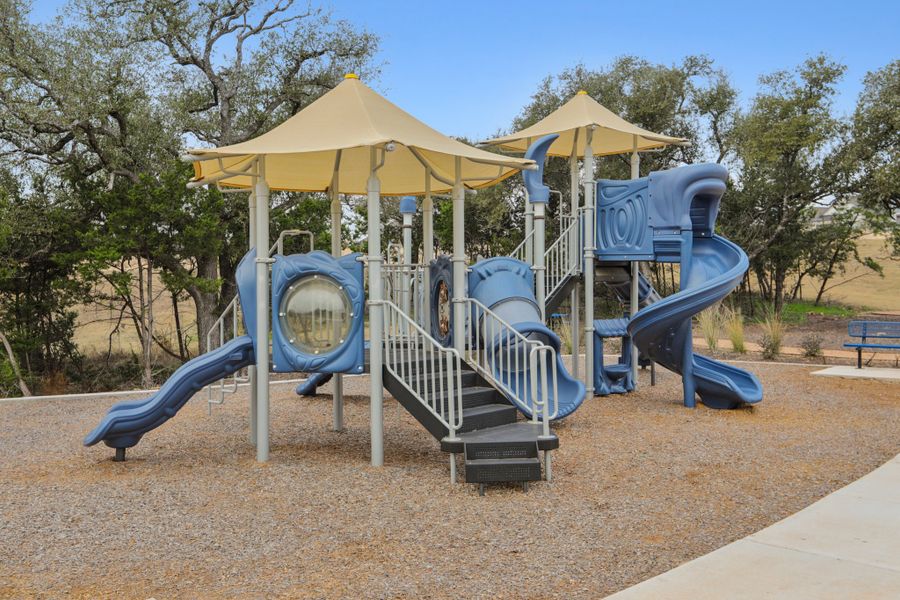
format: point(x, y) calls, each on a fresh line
point(520, 251)
point(279, 243)
point(562, 258)
point(404, 286)
point(493, 346)
point(216, 391)
point(431, 373)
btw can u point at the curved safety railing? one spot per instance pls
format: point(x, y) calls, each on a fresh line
point(523, 369)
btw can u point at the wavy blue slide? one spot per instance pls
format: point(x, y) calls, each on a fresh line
point(126, 422)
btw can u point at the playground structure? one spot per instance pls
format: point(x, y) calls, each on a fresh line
point(463, 347)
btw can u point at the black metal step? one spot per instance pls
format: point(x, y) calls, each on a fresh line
point(498, 450)
point(492, 470)
point(487, 415)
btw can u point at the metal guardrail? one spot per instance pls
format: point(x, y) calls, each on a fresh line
point(430, 372)
point(494, 346)
point(520, 252)
point(404, 285)
point(562, 258)
point(216, 391)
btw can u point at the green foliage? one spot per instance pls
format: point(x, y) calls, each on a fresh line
point(41, 246)
point(797, 312)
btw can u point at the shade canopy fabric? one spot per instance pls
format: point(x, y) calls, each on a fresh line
point(614, 135)
point(337, 131)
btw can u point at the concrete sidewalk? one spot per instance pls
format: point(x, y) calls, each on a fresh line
point(854, 373)
point(846, 545)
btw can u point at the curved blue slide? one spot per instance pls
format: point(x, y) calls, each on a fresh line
point(126, 422)
point(505, 286)
point(312, 383)
point(662, 331)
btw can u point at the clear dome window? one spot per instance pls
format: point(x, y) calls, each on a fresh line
point(316, 315)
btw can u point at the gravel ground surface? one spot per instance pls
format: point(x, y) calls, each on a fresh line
point(641, 485)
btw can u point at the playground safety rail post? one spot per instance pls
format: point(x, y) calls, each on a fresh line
point(262, 313)
point(635, 265)
point(337, 390)
point(428, 370)
point(574, 243)
point(376, 350)
point(589, 241)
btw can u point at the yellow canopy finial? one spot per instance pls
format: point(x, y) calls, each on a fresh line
point(351, 76)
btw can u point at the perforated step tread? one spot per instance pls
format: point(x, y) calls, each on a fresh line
point(487, 416)
point(492, 470)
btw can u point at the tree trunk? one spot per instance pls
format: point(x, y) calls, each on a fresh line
point(15, 365)
point(206, 303)
point(780, 275)
point(182, 352)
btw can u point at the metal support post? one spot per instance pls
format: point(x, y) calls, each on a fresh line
point(589, 264)
point(337, 385)
point(376, 315)
point(262, 313)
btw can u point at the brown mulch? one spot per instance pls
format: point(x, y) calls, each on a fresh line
point(641, 484)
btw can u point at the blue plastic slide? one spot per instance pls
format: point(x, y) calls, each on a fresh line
point(662, 331)
point(505, 286)
point(126, 422)
point(312, 383)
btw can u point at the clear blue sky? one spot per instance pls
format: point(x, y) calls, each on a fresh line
point(468, 67)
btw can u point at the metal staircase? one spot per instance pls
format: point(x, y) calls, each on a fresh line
point(460, 407)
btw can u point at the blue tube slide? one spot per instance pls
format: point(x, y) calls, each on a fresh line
point(505, 286)
point(662, 331)
point(126, 422)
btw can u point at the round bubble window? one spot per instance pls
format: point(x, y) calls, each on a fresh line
point(316, 315)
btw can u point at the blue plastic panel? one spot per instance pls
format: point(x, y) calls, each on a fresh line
point(346, 272)
point(538, 193)
point(623, 226)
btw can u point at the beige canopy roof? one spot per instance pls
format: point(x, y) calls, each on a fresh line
point(337, 131)
point(615, 134)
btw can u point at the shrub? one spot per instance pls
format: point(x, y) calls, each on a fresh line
point(773, 335)
point(710, 322)
point(734, 327)
point(812, 345)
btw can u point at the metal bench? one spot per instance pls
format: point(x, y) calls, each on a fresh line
point(872, 334)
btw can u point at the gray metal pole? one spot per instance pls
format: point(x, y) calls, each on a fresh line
point(575, 250)
point(337, 387)
point(262, 313)
point(635, 265)
point(376, 391)
point(427, 250)
point(529, 224)
point(589, 264)
point(459, 261)
point(251, 370)
point(540, 290)
point(407, 262)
